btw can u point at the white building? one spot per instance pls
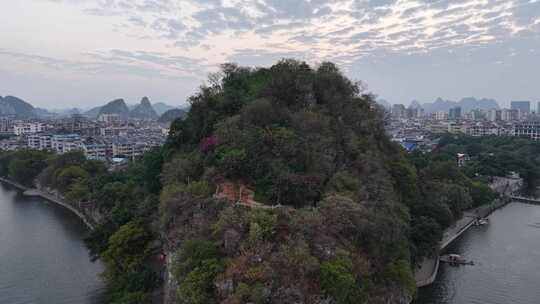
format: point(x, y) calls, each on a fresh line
point(66, 143)
point(482, 129)
point(95, 150)
point(115, 131)
point(25, 128)
point(529, 129)
point(122, 147)
point(39, 141)
point(441, 115)
point(108, 118)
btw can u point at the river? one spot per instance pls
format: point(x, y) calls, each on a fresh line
point(42, 255)
point(506, 254)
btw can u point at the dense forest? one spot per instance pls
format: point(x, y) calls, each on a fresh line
point(495, 156)
point(331, 211)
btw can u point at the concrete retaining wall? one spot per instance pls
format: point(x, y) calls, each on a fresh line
point(35, 192)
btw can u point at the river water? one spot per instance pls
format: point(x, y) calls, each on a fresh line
point(42, 255)
point(506, 254)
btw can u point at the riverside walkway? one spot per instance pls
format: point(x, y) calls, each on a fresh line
point(529, 200)
point(51, 198)
point(426, 273)
point(61, 202)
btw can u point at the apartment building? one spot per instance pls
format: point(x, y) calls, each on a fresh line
point(25, 128)
point(95, 149)
point(62, 143)
point(529, 129)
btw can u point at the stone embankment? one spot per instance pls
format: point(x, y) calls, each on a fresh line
point(426, 273)
point(51, 198)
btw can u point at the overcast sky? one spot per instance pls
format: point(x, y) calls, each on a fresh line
point(66, 53)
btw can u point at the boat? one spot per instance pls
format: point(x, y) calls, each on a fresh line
point(455, 260)
point(481, 222)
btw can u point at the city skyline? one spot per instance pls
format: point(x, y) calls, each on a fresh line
point(82, 53)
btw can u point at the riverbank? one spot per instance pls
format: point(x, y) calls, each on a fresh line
point(43, 255)
point(35, 192)
point(505, 253)
point(427, 272)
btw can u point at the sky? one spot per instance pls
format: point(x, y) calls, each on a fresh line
point(83, 53)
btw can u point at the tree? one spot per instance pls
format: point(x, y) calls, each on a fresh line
point(481, 194)
point(25, 166)
point(152, 162)
point(425, 235)
point(68, 176)
point(338, 281)
point(127, 251)
point(196, 268)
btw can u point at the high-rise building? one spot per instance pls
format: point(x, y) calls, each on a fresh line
point(454, 113)
point(477, 114)
point(524, 107)
point(509, 115)
point(399, 111)
point(538, 108)
point(494, 115)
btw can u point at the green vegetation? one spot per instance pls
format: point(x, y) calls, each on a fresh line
point(197, 266)
point(304, 139)
point(496, 156)
point(23, 166)
point(126, 202)
point(338, 280)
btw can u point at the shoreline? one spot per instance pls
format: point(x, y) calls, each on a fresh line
point(431, 265)
point(38, 193)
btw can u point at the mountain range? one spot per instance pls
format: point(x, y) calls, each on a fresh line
point(466, 104)
point(20, 109)
point(143, 110)
point(117, 106)
point(17, 107)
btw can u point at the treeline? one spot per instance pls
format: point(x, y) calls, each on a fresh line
point(495, 156)
point(436, 192)
point(126, 202)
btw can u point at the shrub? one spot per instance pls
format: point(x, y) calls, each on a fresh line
point(197, 266)
point(262, 226)
point(199, 189)
point(401, 273)
point(338, 281)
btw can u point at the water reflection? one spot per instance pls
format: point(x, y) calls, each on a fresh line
point(42, 255)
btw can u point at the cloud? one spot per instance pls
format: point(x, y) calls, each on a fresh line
point(141, 64)
point(223, 29)
point(262, 57)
